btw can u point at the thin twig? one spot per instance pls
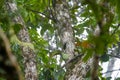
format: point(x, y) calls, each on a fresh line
point(115, 30)
point(72, 60)
point(111, 71)
point(116, 56)
point(42, 13)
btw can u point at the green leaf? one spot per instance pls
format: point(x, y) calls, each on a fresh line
point(104, 58)
point(108, 78)
point(117, 78)
point(88, 74)
point(65, 56)
point(17, 28)
point(118, 8)
point(88, 78)
point(79, 30)
point(87, 55)
point(1, 3)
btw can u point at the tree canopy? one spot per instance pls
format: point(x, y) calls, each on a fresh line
point(52, 39)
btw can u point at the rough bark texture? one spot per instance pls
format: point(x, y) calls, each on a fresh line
point(94, 67)
point(76, 69)
point(27, 52)
point(65, 28)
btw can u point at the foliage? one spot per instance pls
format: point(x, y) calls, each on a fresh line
point(38, 14)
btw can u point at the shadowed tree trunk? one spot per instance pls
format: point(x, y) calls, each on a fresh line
point(23, 35)
point(104, 20)
point(9, 68)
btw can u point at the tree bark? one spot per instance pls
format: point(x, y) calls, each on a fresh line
point(76, 69)
point(23, 35)
point(65, 28)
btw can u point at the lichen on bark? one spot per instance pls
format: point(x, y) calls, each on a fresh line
point(76, 69)
point(23, 36)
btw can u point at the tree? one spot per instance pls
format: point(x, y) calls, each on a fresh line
point(27, 49)
point(66, 35)
point(59, 50)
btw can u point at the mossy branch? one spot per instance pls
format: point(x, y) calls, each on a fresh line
point(14, 39)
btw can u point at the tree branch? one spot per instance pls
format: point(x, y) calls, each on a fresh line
point(42, 13)
point(74, 59)
point(116, 56)
point(111, 71)
point(115, 30)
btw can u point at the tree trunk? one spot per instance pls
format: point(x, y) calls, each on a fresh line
point(23, 35)
point(76, 69)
